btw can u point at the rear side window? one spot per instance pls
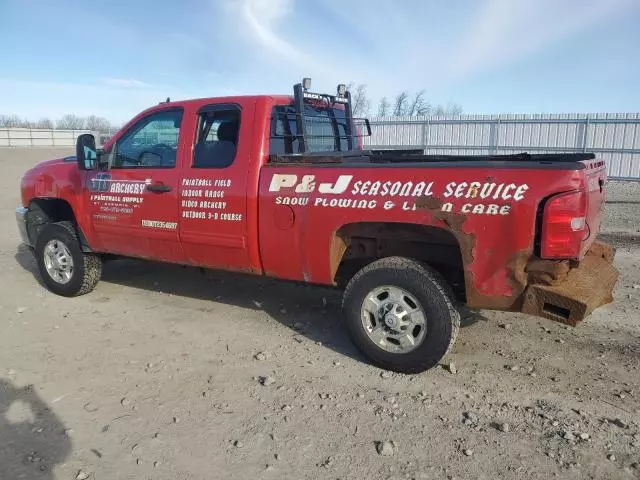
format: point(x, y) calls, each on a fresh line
point(217, 136)
point(325, 130)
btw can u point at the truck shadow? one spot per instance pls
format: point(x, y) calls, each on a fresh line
point(32, 437)
point(309, 310)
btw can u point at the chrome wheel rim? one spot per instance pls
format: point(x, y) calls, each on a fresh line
point(58, 261)
point(393, 319)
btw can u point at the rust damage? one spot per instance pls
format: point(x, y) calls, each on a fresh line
point(339, 246)
point(524, 268)
point(467, 241)
point(586, 287)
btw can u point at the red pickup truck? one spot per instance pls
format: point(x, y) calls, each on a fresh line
point(280, 186)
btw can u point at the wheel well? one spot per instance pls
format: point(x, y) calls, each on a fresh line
point(49, 210)
point(358, 244)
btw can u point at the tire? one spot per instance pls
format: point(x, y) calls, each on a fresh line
point(417, 284)
point(86, 267)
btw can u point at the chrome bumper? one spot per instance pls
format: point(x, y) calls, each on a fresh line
point(21, 219)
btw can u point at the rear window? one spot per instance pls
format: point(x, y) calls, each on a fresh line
point(325, 130)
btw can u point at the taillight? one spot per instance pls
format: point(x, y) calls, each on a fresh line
point(563, 225)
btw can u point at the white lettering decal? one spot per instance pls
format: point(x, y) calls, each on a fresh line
point(340, 186)
point(473, 190)
point(460, 189)
point(374, 188)
point(160, 224)
point(496, 194)
point(449, 189)
point(307, 184)
point(406, 189)
point(487, 189)
point(519, 195)
point(505, 193)
point(279, 181)
point(492, 209)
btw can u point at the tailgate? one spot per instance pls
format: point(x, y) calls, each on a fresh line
point(596, 178)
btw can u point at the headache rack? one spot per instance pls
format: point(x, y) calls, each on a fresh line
point(319, 117)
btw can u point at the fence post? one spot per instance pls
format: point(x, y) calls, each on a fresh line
point(426, 132)
point(494, 137)
point(585, 133)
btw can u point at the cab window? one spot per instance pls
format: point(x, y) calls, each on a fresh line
point(217, 136)
point(325, 130)
point(150, 143)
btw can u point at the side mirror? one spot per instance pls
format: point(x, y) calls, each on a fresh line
point(86, 152)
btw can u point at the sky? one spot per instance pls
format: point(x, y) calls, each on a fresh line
point(114, 58)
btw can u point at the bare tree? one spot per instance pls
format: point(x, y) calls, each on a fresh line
point(44, 123)
point(97, 124)
point(383, 107)
point(450, 109)
point(360, 103)
point(70, 122)
point(419, 106)
point(454, 109)
point(10, 121)
point(400, 104)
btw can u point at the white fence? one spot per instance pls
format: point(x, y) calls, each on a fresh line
point(35, 137)
point(615, 137)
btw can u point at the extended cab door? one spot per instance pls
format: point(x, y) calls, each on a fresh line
point(134, 205)
point(213, 190)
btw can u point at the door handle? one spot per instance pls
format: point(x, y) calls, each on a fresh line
point(158, 188)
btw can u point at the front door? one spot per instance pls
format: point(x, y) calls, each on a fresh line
point(134, 205)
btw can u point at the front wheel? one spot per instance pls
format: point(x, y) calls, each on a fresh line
point(65, 269)
point(400, 314)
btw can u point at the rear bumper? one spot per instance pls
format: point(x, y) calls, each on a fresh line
point(21, 219)
point(586, 287)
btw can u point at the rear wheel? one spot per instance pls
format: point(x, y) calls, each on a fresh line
point(65, 269)
point(400, 314)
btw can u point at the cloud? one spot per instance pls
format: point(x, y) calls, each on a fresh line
point(37, 99)
point(124, 83)
point(505, 31)
point(262, 16)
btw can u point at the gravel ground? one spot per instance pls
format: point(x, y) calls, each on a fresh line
point(167, 373)
point(623, 209)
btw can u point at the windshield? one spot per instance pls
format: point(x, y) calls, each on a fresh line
point(325, 130)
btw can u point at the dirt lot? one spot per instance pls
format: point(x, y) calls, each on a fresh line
point(156, 374)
